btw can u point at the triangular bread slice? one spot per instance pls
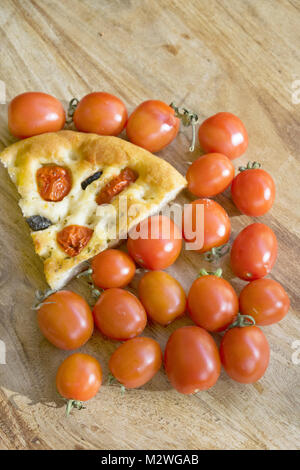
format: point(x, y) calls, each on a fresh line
point(84, 155)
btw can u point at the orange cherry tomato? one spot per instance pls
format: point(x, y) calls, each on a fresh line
point(100, 113)
point(210, 175)
point(53, 182)
point(253, 191)
point(212, 303)
point(223, 133)
point(119, 314)
point(192, 360)
point(135, 362)
point(214, 229)
point(155, 243)
point(265, 300)
point(162, 296)
point(73, 238)
point(112, 268)
point(152, 125)
point(253, 252)
point(34, 113)
point(66, 320)
point(245, 354)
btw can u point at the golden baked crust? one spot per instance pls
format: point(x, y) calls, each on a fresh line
point(84, 154)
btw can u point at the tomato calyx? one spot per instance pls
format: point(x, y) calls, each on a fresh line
point(41, 296)
point(111, 380)
point(73, 103)
point(217, 273)
point(250, 166)
point(242, 320)
point(95, 291)
point(74, 404)
point(217, 252)
point(187, 118)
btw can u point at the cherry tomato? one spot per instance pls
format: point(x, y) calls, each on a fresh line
point(73, 238)
point(53, 182)
point(66, 320)
point(162, 296)
point(116, 185)
point(253, 191)
point(223, 133)
point(119, 314)
point(254, 252)
point(265, 300)
point(212, 303)
point(192, 360)
point(214, 230)
point(135, 362)
point(155, 243)
point(210, 175)
point(100, 113)
point(34, 113)
point(112, 268)
point(245, 354)
point(152, 125)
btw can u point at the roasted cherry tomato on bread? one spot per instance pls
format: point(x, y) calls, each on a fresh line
point(116, 185)
point(74, 238)
point(112, 268)
point(54, 182)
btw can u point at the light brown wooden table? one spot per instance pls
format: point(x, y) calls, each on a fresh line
point(236, 55)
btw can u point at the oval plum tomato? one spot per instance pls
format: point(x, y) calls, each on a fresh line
point(265, 300)
point(245, 353)
point(119, 314)
point(162, 296)
point(223, 133)
point(54, 182)
point(254, 251)
point(155, 243)
point(152, 125)
point(34, 113)
point(135, 362)
point(78, 379)
point(192, 360)
point(253, 191)
point(100, 113)
point(212, 302)
point(212, 229)
point(66, 320)
point(210, 175)
point(112, 268)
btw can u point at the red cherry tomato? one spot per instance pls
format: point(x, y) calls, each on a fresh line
point(210, 175)
point(214, 230)
point(135, 362)
point(119, 314)
point(66, 320)
point(192, 360)
point(224, 133)
point(245, 353)
point(212, 303)
point(162, 296)
point(254, 252)
point(100, 113)
point(34, 113)
point(53, 182)
point(112, 268)
point(265, 300)
point(74, 238)
point(253, 192)
point(152, 125)
point(155, 243)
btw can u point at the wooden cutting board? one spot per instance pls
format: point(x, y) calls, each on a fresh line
point(234, 55)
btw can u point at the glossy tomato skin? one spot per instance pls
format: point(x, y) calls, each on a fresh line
point(212, 303)
point(119, 314)
point(136, 361)
point(158, 245)
point(34, 113)
point(100, 113)
point(66, 320)
point(253, 252)
point(253, 192)
point(162, 296)
point(223, 133)
point(245, 354)
point(112, 268)
point(79, 377)
point(265, 300)
point(192, 360)
point(152, 125)
point(210, 175)
point(217, 227)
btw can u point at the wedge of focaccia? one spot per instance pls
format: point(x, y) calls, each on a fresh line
point(81, 193)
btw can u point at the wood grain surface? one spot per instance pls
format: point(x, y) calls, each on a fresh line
point(241, 56)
